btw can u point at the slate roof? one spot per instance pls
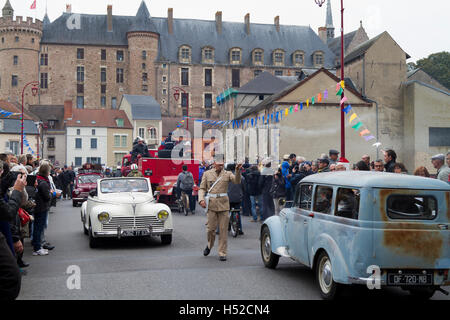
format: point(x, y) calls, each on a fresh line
point(13, 126)
point(194, 33)
point(335, 44)
point(98, 118)
point(143, 107)
point(50, 112)
point(265, 83)
point(267, 102)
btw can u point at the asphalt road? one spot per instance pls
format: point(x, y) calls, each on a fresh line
point(144, 269)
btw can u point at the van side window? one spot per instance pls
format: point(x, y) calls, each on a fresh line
point(322, 199)
point(347, 203)
point(304, 201)
point(412, 207)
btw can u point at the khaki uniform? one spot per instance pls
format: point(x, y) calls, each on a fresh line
point(135, 174)
point(218, 208)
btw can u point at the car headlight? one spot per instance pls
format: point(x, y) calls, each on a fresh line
point(163, 215)
point(104, 217)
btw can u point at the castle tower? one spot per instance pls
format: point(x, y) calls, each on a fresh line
point(19, 55)
point(8, 11)
point(327, 33)
point(143, 42)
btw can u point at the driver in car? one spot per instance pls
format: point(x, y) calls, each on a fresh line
point(135, 186)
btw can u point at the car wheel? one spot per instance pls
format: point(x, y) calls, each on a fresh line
point(422, 293)
point(166, 239)
point(269, 258)
point(74, 204)
point(324, 274)
point(93, 243)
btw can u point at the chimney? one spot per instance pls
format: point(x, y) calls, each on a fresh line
point(219, 22)
point(68, 110)
point(68, 8)
point(170, 20)
point(277, 23)
point(323, 34)
point(247, 23)
point(109, 19)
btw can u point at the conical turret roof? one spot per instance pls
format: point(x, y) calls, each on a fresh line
point(143, 20)
point(8, 10)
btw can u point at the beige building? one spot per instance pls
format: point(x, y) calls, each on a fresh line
point(144, 113)
point(315, 129)
point(426, 124)
point(10, 131)
point(120, 143)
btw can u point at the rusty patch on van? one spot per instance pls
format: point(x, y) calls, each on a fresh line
point(417, 242)
point(411, 238)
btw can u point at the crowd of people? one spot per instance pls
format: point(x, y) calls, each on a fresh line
point(264, 191)
point(28, 190)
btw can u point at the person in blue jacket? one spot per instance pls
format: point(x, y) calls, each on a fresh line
point(287, 176)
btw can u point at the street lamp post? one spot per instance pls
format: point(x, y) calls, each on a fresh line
point(34, 91)
point(320, 3)
point(176, 95)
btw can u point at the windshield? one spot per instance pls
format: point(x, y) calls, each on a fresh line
point(124, 185)
point(88, 178)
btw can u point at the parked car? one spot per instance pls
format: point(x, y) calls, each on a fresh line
point(125, 207)
point(85, 181)
point(344, 225)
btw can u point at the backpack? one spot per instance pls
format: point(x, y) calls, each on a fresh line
point(187, 182)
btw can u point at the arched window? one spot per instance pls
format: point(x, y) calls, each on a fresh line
point(208, 55)
point(258, 57)
point(298, 58)
point(184, 54)
point(278, 57)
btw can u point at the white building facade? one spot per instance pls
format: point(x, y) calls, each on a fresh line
point(87, 145)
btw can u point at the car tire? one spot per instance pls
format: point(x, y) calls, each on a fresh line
point(166, 239)
point(93, 243)
point(74, 204)
point(329, 289)
point(422, 293)
point(85, 231)
point(269, 258)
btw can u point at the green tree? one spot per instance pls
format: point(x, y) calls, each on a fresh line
point(437, 65)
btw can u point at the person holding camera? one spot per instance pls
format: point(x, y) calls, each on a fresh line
point(10, 278)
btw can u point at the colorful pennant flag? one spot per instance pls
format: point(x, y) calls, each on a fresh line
point(358, 126)
point(347, 109)
point(339, 92)
point(353, 117)
point(343, 100)
point(343, 84)
point(369, 138)
point(364, 132)
point(325, 94)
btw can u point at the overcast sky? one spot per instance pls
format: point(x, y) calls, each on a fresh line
point(419, 27)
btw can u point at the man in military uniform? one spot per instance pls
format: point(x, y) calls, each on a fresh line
point(334, 154)
point(214, 186)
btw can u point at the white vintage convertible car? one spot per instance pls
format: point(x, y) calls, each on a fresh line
point(125, 207)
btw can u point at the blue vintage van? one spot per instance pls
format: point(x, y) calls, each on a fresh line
point(372, 228)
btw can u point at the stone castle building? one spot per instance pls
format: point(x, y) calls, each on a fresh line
point(93, 60)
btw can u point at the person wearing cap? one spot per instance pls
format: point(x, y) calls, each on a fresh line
point(334, 154)
point(139, 149)
point(293, 161)
point(324, 165)
point(214, 185)
point(443, 171)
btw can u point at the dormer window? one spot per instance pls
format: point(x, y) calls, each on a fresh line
point(208, 55)
point(318, 59)
point(258, 57)
point(235, 56)
point(119, 122)
point(298, 58)
point(185, 54)
point(51, 124)
point(278, 57)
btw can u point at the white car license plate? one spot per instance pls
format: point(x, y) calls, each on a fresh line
point(135, 233)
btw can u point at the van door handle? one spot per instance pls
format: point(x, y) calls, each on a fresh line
point(443, 226)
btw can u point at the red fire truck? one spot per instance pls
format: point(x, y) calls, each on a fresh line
point(163, 174)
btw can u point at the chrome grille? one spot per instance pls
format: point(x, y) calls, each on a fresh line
point(133, 223)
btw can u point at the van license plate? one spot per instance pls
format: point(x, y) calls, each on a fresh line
point(410, 279)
